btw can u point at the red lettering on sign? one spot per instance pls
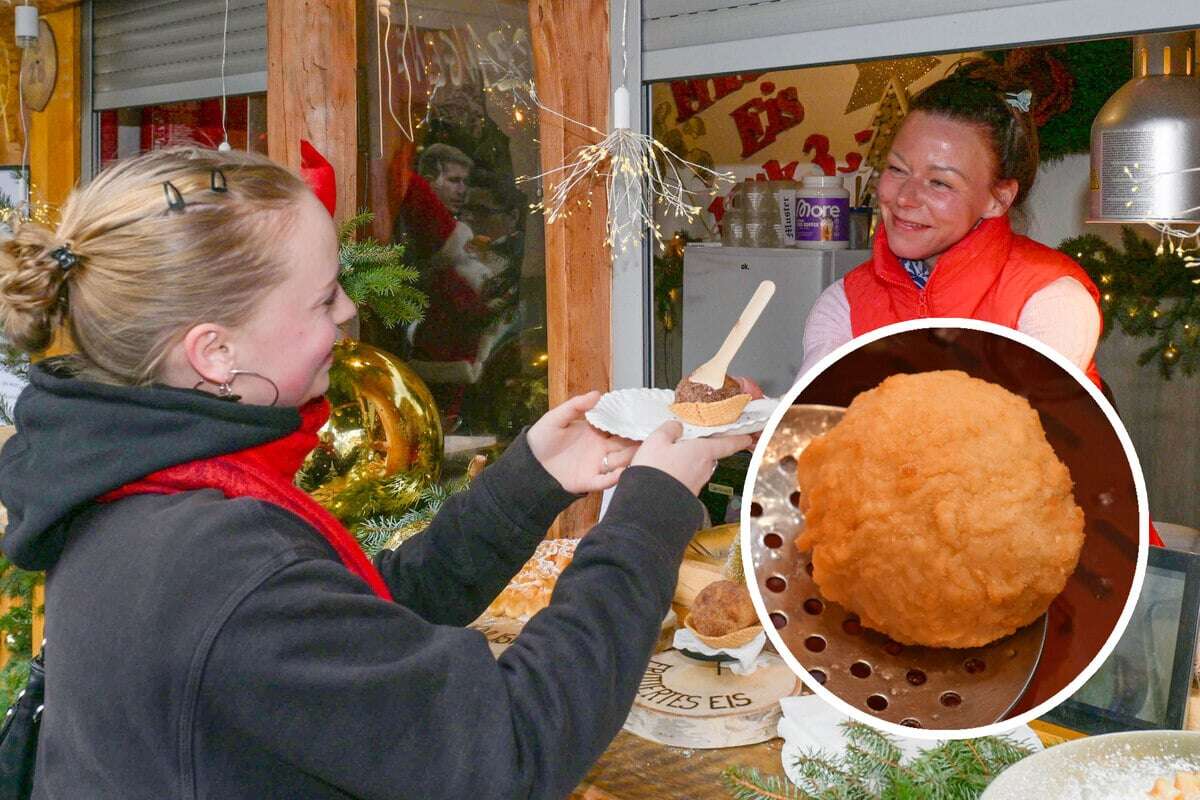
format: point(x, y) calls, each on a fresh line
point(749, 126)
point(784, 111)
point(691, 97)
point(819, 142)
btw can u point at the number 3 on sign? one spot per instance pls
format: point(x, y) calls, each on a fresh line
point(819, 142)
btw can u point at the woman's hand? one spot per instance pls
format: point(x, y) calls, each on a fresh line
point(748, 386)
point(581, 458)
point(690, 461)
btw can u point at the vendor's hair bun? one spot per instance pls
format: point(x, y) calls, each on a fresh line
point(155, 244)
point(31, 287)
point(978, 92)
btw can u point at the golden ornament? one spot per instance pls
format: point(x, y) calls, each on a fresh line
point(1171, 354)
point(874, 76)
point(383, 442)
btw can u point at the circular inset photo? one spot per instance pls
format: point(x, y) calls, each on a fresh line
point(944, 529)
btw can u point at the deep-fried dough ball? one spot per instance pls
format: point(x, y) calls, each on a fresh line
point(722, 607)
point(937, 511)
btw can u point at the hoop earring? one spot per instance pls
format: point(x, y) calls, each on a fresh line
point(225, 388)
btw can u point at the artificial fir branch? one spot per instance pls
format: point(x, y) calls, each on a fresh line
point(17, 585)
point(390, 531)
point(375, 277)
point(826, 778)
point(746, 783)
point(1146, 289)
point(872, 768)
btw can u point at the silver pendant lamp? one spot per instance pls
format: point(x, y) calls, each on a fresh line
point(1146, 138)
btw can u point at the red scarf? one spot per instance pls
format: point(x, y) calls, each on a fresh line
point(266, 473)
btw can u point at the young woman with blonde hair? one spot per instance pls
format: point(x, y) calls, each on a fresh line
point(212, 632)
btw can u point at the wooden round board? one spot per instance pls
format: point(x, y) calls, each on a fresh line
point(685, 702)
point(499, 632)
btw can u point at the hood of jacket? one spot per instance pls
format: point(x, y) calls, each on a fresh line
point(77, 440)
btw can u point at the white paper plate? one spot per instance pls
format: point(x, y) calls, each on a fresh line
point(1115, 766)
point(636, 413)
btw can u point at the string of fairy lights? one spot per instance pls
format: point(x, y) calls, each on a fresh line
point(1175, 237)
point(637, 173)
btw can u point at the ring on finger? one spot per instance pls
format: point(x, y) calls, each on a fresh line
point(605, 465)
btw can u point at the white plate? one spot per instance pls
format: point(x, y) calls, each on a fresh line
point(1116, 766)
point(636, 413)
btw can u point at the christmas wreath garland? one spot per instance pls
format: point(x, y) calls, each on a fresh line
point(1146, 289)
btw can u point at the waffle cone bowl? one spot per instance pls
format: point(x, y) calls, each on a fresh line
point(721, 412)
point(728, 641)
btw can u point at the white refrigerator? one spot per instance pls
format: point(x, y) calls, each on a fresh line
point(719, 281)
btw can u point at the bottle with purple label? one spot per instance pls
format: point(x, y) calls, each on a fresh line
point(822, 213)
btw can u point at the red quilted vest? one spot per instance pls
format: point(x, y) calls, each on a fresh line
point(989, 275)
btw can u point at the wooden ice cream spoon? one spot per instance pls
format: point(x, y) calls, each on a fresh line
point(712, 372)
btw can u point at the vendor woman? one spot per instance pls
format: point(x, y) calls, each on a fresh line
point(965, 155)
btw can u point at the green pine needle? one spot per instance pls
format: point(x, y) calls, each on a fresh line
point(16, 627)
point(872, 768)
point(746, 783)
point(376, 278)
point(1145, 294)
point(390, 530)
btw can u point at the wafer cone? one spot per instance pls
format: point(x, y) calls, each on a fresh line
point(728, 641)
point(708, 415)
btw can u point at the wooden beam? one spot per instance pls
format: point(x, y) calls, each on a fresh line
point(54, 161)
point(570, 54)
point(312, 92)
point(54, 143)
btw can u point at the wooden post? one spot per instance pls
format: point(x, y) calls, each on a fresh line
point(54, 143)
point(312, 90)
point(570, 54)
point(54, 161)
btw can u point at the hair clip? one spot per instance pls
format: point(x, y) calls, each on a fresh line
point(175, 201)
point(65, 258)
point(218, 182)
point(1019, 100)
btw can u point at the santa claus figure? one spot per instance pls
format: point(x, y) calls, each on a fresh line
point(466, 275)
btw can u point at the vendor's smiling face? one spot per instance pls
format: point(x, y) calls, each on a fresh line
point(940, 180)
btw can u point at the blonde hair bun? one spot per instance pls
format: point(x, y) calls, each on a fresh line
point(31, 287)
point(156, 244)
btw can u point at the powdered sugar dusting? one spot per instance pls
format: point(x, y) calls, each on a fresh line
point(1113, 767)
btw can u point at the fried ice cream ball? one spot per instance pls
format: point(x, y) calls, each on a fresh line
point(937, 511)
point(722, 607)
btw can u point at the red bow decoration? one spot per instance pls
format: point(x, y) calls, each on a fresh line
point(772, 171)
point(717, 207)
point(318, 173)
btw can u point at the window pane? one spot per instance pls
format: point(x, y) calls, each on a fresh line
point(449, 194)
point(126, 132)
